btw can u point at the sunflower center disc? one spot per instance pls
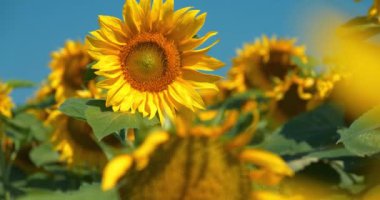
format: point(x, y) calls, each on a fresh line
point(150, 62)
point(146, 62)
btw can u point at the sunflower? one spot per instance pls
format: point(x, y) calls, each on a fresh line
point(262, 63)
point(200, 163)
point(73, 139)
point(150, 59)
point(268, 65)
point(299, 94)
point(6, 103)
point(68, 67)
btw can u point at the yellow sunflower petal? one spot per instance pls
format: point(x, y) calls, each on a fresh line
point(107, 63)
point(200, 61)
point(152, 106)
point(142, 107)
point(156, 13)
point(113, 29)
point(266, 160)
point(114, 170)
point(141, 155)
point(188, 25)
point(193, 43)
point(124, 91)
point(114, 90)
point(200, 51)
point(99, 48)
point(268, 195)
point(200, 80)
point(169, 110)
point(132, 15)
point(110, 73)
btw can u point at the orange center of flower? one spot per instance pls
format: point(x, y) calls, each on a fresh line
point(150, 62)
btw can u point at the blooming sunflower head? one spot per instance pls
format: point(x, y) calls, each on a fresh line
point(6, 103)
point(150, 58)
point(68, 67)
point(259, 64)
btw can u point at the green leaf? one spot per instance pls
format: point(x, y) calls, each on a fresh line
point(43, 154)
point(104, 121)
point(86, 192)
point(317, 127)
point(36, 127)
point(363, 136)
point(331, 153)
point(303, 160)
point(20, 84)
point(348, 181)
point(278, 144)
point(24, 127)
point(75, 107)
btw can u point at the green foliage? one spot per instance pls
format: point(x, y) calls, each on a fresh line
point(317, 127)
point(20, 84)
point(86, 192)
point(75, 107)
point(25, 127)
point(103, 120)
point(43, 154)
point(363, 136)
point(281, 145)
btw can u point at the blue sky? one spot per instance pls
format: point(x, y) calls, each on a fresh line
point(32, 29)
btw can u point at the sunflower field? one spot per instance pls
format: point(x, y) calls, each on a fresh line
point(138, 111)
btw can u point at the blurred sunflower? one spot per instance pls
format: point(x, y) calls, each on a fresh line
point(268, 65)
point(262, 63)
point(73, 139)
point(200, 163)
point(150, 60)
point(68, 67)
point(6, 103)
